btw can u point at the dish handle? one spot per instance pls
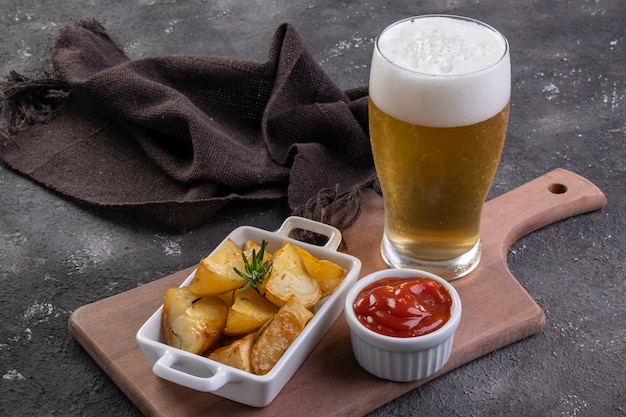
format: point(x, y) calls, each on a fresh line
point(295, 222)
point(190, 371)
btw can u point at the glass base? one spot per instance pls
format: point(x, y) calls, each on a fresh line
point(449, 270)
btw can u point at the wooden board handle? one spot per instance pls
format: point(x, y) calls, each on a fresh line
point(554, 196)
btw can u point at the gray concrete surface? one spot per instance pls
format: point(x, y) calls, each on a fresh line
point(568, 110)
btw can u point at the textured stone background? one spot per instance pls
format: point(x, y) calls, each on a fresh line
point(568, 110)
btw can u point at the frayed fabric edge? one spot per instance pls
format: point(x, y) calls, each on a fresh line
point(27, 101)
point(340, 209)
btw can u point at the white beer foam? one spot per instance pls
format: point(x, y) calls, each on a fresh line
point(446, 72)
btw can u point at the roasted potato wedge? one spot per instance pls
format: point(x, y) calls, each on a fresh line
point(191, 322)
point(277, 335)
point(290, 277)
point(215, 273)
point(227, 297)
point(236, 353)
point(328, 275)
point(250, 245)
point(248, 312)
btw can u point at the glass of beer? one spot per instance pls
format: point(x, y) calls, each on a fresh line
point(439, 96)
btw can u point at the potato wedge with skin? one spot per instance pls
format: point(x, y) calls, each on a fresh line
point(248, 313)
point(328, 274)
point(236, 353)
point(191, 322)
point(215, 274)
point(289, 277)
point(277, 335)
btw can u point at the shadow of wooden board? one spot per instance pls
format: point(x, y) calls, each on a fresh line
point(497, 311)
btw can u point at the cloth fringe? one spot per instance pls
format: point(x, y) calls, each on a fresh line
point(26, 101)
point(331, 206)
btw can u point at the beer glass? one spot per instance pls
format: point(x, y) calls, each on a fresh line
point(438, 112)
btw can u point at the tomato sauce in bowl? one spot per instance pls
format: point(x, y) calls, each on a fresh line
point(402, 323)
point(403, 307)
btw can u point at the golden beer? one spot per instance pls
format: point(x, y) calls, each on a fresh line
point(437, 133)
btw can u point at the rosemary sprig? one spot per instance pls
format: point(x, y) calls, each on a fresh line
point(255, 269)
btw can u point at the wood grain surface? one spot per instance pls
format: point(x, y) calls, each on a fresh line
point(497, 311)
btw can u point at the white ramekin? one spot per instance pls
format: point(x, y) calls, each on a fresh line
point(396, 358)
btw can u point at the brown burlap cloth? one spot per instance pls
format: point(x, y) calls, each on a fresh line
point(175, 138)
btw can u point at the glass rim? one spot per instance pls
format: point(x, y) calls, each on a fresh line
point(505, 53)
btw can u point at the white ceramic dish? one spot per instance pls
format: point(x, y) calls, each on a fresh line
point(202, 374)
point(395, 358)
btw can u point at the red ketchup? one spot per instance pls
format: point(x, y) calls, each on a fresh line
point(403, 307)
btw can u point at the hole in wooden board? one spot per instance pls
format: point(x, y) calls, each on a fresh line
point(557, 188)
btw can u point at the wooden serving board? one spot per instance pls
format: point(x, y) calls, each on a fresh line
point(497, 311)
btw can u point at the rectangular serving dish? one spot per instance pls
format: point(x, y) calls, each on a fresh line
point(203, 374)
